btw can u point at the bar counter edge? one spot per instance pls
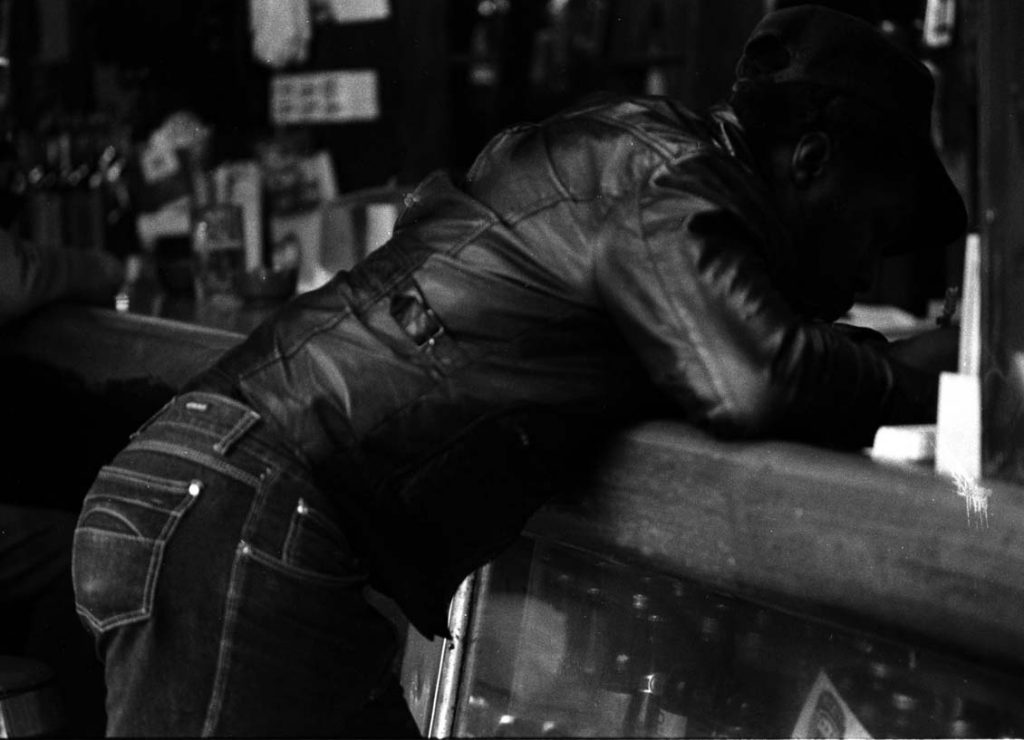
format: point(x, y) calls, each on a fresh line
point(835, 534)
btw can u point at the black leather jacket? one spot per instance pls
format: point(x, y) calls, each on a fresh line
point(511, 315)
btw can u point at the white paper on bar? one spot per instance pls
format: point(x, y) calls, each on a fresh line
point(891, 322)
point(906, 443)
point(958, 434)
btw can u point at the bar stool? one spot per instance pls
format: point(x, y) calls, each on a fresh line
point(30, 705)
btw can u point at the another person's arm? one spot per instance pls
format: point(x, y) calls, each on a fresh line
point(936, 350)
point(31, 276)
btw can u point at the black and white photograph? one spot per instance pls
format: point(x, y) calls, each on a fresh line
point(512, 368)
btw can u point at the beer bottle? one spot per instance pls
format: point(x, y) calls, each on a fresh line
point(971, 719)
point(482, 714)
point(644, 713)
point(714, 661)
point(510, 725)
point(616, 683)
point(636, 661)
point(751, 698)
point(870, 708)
point(593, 642)
point(593, 628)
point(673, 710)
point(680, 648)
point(906, 715)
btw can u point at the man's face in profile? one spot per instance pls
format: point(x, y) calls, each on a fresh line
point(844, 214)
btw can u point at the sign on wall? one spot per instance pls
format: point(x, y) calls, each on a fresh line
point(337, 96)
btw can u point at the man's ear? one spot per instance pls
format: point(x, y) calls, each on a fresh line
point(811, 156)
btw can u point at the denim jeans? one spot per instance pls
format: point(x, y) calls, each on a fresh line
point(222, 592)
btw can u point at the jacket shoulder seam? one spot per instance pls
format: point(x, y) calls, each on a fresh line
point(651, 141)
point(684, 317)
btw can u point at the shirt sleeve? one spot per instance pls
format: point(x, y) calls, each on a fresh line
point(31, 277)
point(693, 294)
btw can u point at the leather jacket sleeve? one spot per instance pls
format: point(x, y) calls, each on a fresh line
point(695, 296)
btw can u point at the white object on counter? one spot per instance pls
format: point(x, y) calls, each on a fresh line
point(905, 443)
point(958, 437)
point(958, 441)
point(891, 322)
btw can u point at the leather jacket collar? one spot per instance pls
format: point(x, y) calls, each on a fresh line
point(728, 133)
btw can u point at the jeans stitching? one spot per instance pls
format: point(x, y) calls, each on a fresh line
point(175, 450)
point(294, 525)
point(156, 557)
point(113, 514)
point(120, 535)
point(258, 452)
point(301, 573)
point(95, 501)
point(130, 476)
point(209, 430)
point(102, 625)
point(231, 604)
point(156, 561)
point(238, 431)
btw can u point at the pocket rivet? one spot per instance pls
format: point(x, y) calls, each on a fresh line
point(302, 508)
point(195, 487)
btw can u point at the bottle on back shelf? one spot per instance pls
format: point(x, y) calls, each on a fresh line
point(704, 694)
point(44, 202)
point(907, 716)
point(751, 703)
point(971, 718)
point(593, 634)
point(594, 626)
point(644, 714)
point(868, 685)
point(682, 664)
point(618, 681)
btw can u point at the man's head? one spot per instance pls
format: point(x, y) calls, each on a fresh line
point(840, 120)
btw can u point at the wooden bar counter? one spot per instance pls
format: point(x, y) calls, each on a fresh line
point(822, 533)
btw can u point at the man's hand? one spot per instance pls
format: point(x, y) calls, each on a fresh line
point(935, 351)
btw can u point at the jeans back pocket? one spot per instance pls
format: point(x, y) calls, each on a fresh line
point(126, 520)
